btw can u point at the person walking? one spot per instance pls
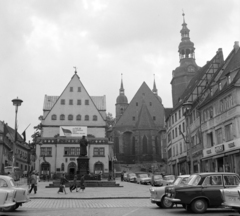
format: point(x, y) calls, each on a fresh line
point(82, 183)
point(74, 185)
point(33, 183)
point(63, 181)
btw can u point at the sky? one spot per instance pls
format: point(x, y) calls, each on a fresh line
point(42, 40)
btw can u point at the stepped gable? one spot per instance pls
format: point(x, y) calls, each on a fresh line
point(145, 120)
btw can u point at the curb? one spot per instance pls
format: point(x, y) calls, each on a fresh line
point(88, 198)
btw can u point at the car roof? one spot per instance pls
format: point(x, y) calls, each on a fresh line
point(183, 176)
point(5, 177)
point(215, 173)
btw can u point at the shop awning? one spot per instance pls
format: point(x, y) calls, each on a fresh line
point(218, 156)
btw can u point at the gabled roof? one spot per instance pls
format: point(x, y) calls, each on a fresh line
point(145, 120)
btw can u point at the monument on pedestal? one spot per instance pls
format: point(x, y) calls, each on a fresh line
point(83, 159)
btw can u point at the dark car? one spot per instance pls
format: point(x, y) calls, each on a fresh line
point(201, 192)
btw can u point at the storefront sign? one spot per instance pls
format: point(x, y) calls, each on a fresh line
point(209, 151)
point(219, 148)
point(230, 145)
point(73, 131)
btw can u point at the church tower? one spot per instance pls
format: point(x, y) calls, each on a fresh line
point(121, 103)
point(182, 75)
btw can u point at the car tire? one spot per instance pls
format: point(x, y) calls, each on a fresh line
point(199, 206)
point(9, 209)
point(166, 203)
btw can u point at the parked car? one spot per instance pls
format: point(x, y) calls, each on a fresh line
point(131, 177)
point(202, 191)
point(156, 180)
point(143, 178)
point(158, 193)
point(168, 179)
point(231, 196)
point(6, 198)
point(20, 194)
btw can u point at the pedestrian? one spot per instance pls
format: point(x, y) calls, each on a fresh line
point(33, 183)
point(74, 185)
point(82, 183)
point(63, 181)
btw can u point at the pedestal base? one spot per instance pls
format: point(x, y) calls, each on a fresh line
point(83, 165)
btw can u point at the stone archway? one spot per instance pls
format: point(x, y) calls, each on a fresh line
point(72, 169)
point(98, 167)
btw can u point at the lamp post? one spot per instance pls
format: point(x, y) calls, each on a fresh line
point(16, 102)
point(187, 114)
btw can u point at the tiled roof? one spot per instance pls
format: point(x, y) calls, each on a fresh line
point(100, 102)
point(49, 101)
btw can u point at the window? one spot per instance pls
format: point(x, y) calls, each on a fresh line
point(62, 101)
point(181, 150)
point(98, 152)
point(231, 180)
point(136, 103)
point(62, 167)
point(229, 132)
point(219, 136)
point(86, 102)
point(154, 118)
point(220, 86)
point(79, 102)
point(133, 118)
point(71, 89)
point(229, 79)
point(183, 127)
point(79, 89)
point(179, 113)
point(172, 119)
point(78, 118)
point(176, 132)
point(210, 139)
point(211, 112)
point(71, 151)
point(70, 117)
point(70, 102)
point(62, 117)
point(213, 181)
point(47, 151)
point(3, 183)
point(54, 117)
point(94, 118)
point(86, 117)
point(173, 134)
point(179, 128)
point(150, 103)
point(175, 117)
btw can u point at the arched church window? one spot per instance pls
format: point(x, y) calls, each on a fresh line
point(70, 117)
point(54, 117)
point(78, 117)
point(145, 149)
point(86, 117)
point(94, 118)
point(62, 117)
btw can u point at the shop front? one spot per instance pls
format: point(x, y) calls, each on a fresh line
point(182, 165)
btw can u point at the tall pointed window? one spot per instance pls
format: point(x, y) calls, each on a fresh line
point(145, 149)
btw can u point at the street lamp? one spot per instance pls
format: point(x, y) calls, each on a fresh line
point(187, 114)
point(16, 102)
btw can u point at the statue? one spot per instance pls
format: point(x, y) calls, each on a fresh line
point(83, 146)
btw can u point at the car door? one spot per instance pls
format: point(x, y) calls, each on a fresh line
point(211, 189)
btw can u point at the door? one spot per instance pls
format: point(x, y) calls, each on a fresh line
point(211, 189)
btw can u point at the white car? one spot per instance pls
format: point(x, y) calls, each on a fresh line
point(158, 193)
point(19, 194)
point(7, 198)
point(143, 178)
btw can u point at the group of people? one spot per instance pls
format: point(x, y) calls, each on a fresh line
point(33, 180)
point(73, 186)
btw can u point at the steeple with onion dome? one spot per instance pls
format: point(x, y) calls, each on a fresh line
point(121, 102)
point(182, 75)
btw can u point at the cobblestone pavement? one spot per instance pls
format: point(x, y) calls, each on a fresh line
point(72, 203)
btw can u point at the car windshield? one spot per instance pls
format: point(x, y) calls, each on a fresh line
point(131, 174)
point(181, 180)
point(194, 180)
point(12, 183)
point(168, 177)
point(157, 177)
point(143, 175)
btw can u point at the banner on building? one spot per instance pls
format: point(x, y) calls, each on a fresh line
point(73, 131)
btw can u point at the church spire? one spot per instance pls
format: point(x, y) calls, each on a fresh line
point(121, 90)
point(155, 91)
point(186, 47)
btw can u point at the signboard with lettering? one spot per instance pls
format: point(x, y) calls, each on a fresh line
point(73, 131)
point(209, 151)
point(230, 145)
point(219, 148)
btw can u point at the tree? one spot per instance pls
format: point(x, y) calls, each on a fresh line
point(110, 121)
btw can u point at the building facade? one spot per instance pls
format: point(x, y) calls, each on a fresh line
point(66, 118)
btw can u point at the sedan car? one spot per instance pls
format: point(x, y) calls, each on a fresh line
point(156, 180)
point(143, 178)
point(202, 191)
point(168, 179)
point(7, 198)
point(231, 196)
point(158, 193)
point(131, 177)
point(20, 194)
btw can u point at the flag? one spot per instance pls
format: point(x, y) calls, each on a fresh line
point(24, 135)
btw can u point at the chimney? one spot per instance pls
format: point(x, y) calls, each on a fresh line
point(236, 46)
